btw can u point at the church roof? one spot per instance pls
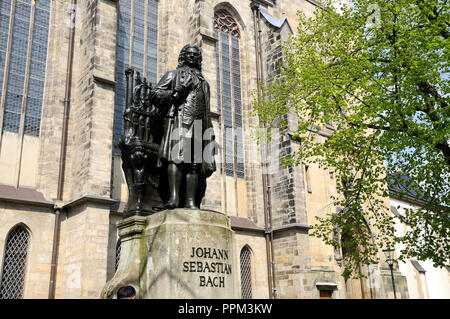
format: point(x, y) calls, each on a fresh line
point(23, 195)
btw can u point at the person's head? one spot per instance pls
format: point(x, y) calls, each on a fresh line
point(190, 55)
point(126, 292)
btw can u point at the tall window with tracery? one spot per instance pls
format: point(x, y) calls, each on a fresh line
point(246, 273)
point(137, 48)
point(24, 28)
point(228, 71)
point(15, 263)
point(118, 250)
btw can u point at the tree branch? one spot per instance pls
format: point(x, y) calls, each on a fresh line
point(425, 9)
point(426, 88)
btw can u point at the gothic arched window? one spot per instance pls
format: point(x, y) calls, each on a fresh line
point(246, 273)
point(15, 263)
point(118, 250)
point(22, 71)
point(137, 45)
point(229, 90)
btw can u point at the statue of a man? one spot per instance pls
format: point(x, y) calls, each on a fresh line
point(184, 93)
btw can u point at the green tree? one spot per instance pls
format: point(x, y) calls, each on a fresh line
point(379, 72)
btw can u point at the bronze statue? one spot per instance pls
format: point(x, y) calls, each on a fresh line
point(166, 131)
point(187, 130)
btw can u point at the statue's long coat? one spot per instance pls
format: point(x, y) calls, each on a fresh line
point(194, 106)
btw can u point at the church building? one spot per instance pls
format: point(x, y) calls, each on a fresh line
point(62, 188)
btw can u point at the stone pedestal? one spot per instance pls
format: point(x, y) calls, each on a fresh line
point(176, 254)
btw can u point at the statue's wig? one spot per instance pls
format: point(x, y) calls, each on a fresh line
point(181, 58)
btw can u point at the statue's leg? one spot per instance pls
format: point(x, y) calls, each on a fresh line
point(175, 175)
point(191, 186)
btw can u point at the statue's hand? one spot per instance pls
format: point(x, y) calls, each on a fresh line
point(151, 95)
point(182, 89)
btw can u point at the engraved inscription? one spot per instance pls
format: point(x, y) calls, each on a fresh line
point(213, 269)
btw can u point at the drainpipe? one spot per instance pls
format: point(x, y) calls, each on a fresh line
point(56, 231)
point(266, 187)
point(266, 176)
point(62, 156)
